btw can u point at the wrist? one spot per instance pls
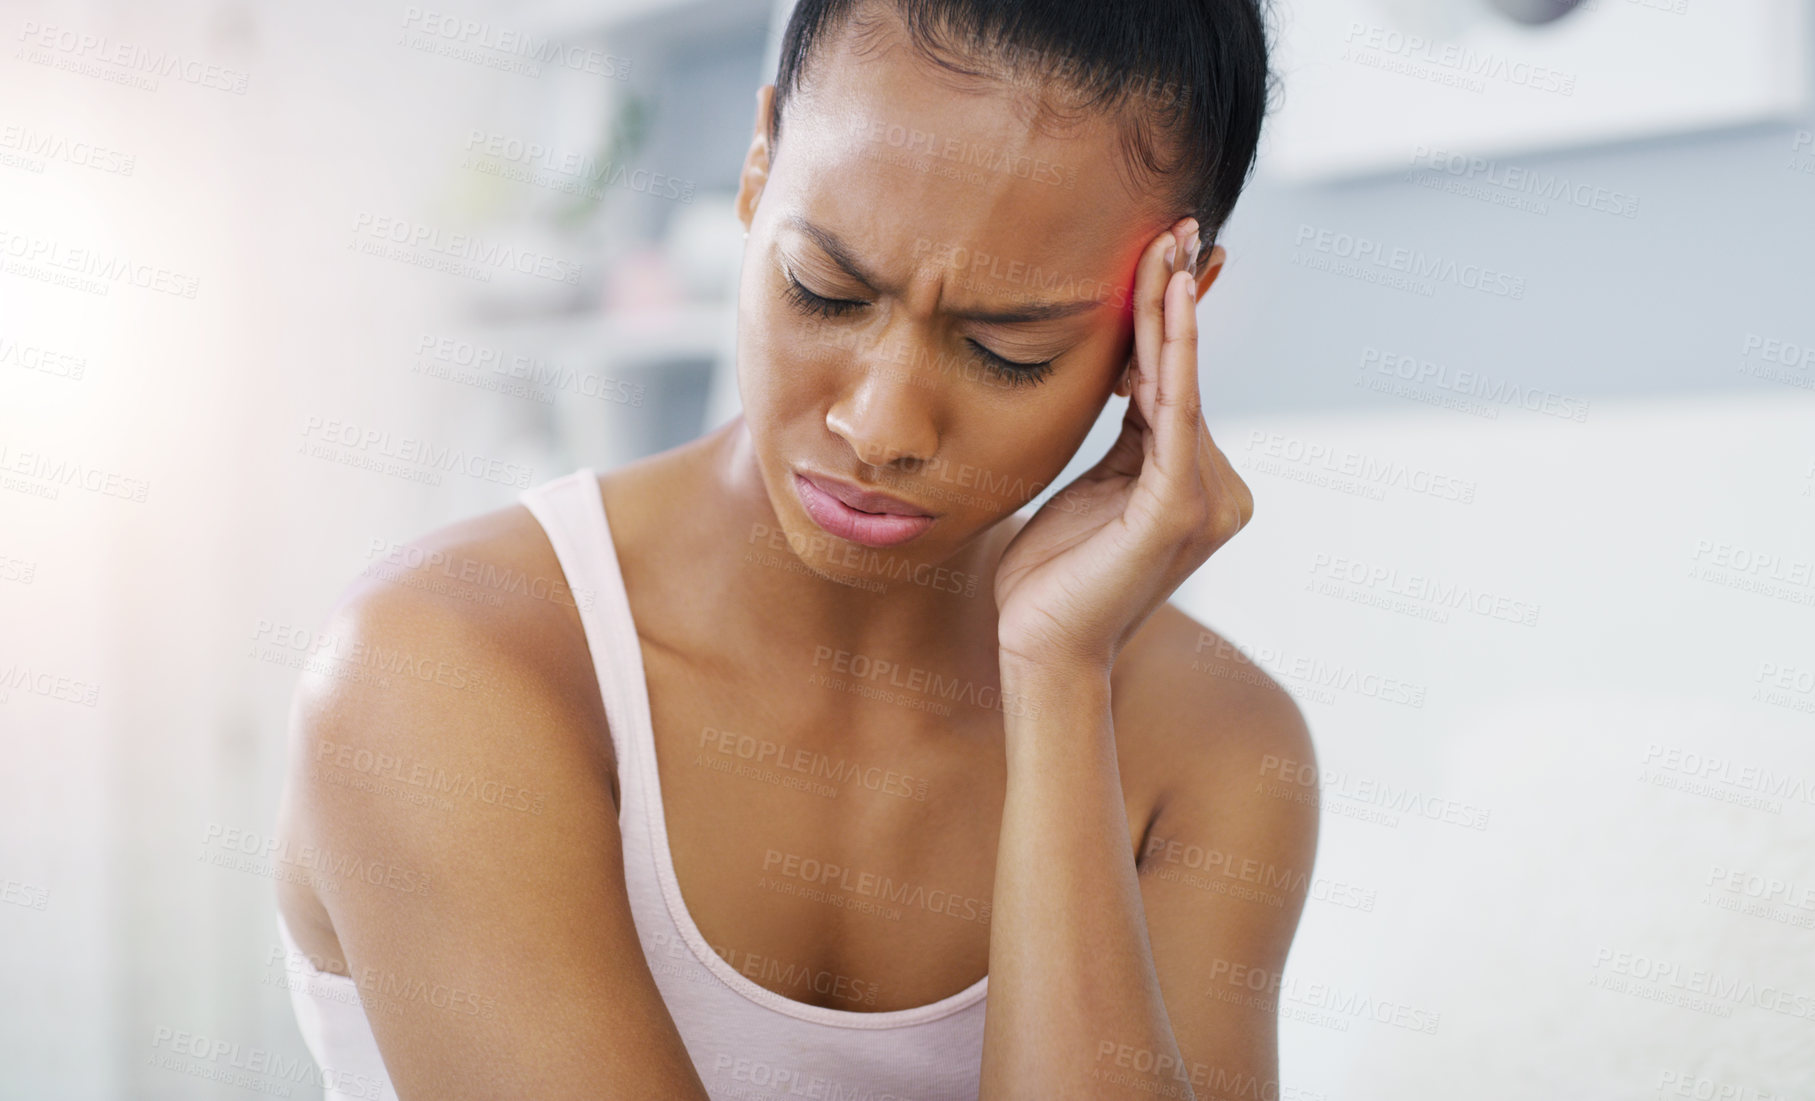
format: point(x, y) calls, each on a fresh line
point(1033, 659)
point(1033, 687)
point(1036, 668)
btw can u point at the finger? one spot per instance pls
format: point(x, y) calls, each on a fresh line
point(1178, 423)
point(1129, 451)
point(1231, 486)
point(1149, 320)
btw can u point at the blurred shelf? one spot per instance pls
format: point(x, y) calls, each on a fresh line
point(627, 339)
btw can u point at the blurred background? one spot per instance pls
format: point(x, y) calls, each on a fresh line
point(1516, 347)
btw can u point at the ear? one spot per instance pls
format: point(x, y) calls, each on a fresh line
point(1123, 381)
point(1212, 266)
point(755, 172)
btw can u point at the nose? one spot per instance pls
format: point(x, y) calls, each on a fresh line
point(888, 413)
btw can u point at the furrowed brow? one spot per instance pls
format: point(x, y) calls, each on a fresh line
point(835, 248)
point(1033, 311)
point(841, 254)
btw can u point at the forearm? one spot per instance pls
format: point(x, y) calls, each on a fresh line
point(1070, 966)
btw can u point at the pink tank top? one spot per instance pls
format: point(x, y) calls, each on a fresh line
point(747, 1042)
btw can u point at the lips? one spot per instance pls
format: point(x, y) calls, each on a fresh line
point(864, 500)
point(862, 516)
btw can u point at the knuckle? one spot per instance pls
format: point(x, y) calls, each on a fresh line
point(1192, 518)
point(1228, 518)
point(1186, 404)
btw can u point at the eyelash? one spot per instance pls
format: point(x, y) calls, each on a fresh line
point(1017, 374)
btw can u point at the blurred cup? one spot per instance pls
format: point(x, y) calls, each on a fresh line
point(1447, 19)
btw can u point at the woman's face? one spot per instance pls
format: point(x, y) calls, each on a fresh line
point(935, 298)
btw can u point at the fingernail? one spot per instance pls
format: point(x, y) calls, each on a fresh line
point(1191, 265)
point(1171, 252)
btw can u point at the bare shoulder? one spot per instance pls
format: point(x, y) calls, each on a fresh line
point(453, 670)
point(1226, 861)
point(1213, 725)
point(477, 609)
point(1197, 689)
point(450, 815)
point(492, 569)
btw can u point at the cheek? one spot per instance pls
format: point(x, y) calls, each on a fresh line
point(1005, 452)
point(1039, 429)
point(1025, 438)
point(778, 354)
point(794, 360)
point(790, 362)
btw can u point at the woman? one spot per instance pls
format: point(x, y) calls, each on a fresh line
point(748, 768)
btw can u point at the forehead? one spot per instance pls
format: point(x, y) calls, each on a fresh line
point(882, 144)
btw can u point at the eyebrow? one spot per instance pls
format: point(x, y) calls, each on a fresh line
point(841, 255)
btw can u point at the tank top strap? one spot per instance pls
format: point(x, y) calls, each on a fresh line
point(572, 514)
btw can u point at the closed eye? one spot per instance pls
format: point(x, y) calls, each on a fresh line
point(1014, 372)
point(1013, 369)
point(815, 304)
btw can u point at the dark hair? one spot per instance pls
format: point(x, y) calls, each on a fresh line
point(1195, 70)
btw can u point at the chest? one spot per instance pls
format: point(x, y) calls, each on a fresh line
point(834, 843)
